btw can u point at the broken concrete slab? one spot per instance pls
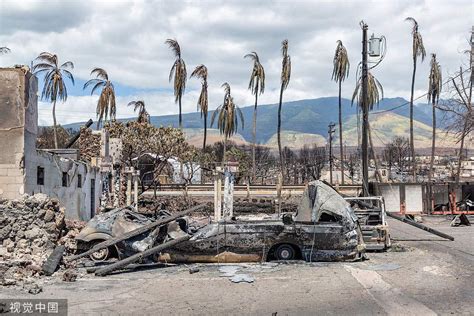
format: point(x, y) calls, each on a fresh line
point(239, 278)
point(52, 263)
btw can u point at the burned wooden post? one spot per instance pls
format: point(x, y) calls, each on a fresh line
point(217, 194)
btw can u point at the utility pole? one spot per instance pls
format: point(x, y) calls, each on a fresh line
point(331, 131)
point(365, 114)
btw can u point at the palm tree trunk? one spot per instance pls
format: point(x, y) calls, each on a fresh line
point(412, 143)
point(205, 132)
point(279, 129)
point(433, 144)
point(254, 136)
point(341, 148)
point(54, 126)
point(180, 118)
point(225, 149)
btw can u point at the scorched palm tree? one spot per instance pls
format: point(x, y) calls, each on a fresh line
point(257, 86)
point(143, 116)
point(228, 115)
point(203, 101)
point(285, 80)
point(54, 86)
point(418, 50)
point(106, 104)
point(339, 73)
point(434, 89)
point(374, 95)
point(178, 72)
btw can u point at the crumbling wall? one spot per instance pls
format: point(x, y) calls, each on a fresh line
point(18, 127)
point(89, 145)
point(81, 200)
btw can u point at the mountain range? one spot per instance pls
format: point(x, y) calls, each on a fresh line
point(306, 121)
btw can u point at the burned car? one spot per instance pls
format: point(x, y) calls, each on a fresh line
point(113, 223)
point(324, 228)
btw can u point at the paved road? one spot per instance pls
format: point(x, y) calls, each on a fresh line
point(426, 277)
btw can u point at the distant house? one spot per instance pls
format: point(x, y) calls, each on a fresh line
point(467, 169)
point(173, 172)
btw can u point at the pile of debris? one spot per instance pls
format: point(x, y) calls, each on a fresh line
point(31, 227)
point(89, 145)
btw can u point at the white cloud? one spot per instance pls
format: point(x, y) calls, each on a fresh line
point(127, 39)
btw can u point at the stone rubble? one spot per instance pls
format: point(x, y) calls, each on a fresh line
point(30, 228)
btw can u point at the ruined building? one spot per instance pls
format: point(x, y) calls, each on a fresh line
point(26, 169)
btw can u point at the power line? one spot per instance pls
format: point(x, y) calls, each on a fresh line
point(419, 97)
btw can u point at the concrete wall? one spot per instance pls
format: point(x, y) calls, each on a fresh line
point(413, 198)
point(391, 195)
point(76, 200)
point(18, 126)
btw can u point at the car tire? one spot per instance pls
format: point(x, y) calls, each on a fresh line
point(100, 255)
point(285, 252)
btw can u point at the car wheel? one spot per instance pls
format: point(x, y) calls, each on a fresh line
point(100, 255)
point(285, 252)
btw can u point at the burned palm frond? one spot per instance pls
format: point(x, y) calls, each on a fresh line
point(106, 106)
point(228, 114)
point(341, 63)
point(257, 77)
point(178, 70)
point(285, 65)
point(201, 73)
point(178, 73)
point(418, 47)
point(256, 86)
point(203, 101)
point(435, 80)
point(143, 116)
point(374, 92)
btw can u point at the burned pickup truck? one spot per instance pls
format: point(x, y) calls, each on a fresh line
point(324, 228)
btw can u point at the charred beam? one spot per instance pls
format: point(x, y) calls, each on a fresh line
point(125, 262)
point(421, 226)
point(78, 134)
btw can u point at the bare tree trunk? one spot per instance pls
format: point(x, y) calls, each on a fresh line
point(254, 136)
point(433, 144)
point(461, 148)
point(180, 118)
point(279, 129)
point(181, 172)
point(412, 142)
point(341, 147)
point(205, 132)
point(225, 149)
point(55, 126)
